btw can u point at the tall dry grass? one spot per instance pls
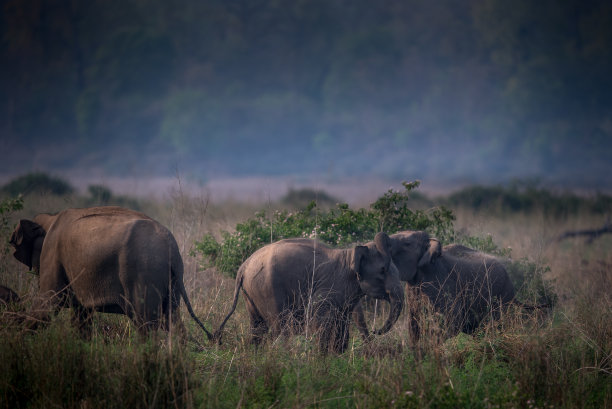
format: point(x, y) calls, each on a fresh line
point(551, 358)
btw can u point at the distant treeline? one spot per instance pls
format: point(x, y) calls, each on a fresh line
point(516, 198)
point(40, 183)
point(274, 87)
point(512, 198)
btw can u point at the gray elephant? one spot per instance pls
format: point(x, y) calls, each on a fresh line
point(8, 296)
point(107, 259)
point(461, 283)
point(287, 282)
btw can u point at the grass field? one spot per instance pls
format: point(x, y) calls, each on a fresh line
point(558, 358)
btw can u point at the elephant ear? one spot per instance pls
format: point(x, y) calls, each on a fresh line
point(359, 252)
point(433, 251)
point(23, 239)
point(383, 244)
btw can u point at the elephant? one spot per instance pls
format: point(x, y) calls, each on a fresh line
point(287, 282)
point(107, 259)
point(463, 284)
point(8, 296)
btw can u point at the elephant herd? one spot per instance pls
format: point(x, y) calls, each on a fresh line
point(117, 260)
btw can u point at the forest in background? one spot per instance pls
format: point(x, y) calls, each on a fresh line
point(458, 90)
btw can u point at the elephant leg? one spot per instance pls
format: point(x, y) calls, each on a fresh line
point(415, 327)
point(472, 315)
point(453, 317)
point(176, 323)
point(326, 322)
point(53, 287)
point(170, 315)
point(82, 320)
point(342, 333)
point(414, 305)
point(43, 307)
point(259, 326)
point(360, 322)
point(174, 310)
point(324, 339)
point(470, 323)
point(147, 308)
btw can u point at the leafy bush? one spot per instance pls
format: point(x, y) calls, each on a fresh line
point(529, 283)
point(484, 244)
point(7, 208)
point(37, 182)
point(340, 226)
point(100, 195)
point(299, 198)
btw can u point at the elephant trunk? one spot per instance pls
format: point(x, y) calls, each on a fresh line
point(395, 293)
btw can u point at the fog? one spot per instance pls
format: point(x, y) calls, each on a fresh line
point(328, 93)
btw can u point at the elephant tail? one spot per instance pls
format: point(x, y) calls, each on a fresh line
point(239, 278)
point(183, 292)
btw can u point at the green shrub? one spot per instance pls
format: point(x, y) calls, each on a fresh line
point(100, 195)
point(300, 198)
point(54, 367)
point(7, 208)
point(484, 244)
point(37, 182)
point(340, 226)
point(529, 283)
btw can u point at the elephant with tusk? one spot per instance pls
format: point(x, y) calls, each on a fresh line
point(287, 282)
point(108, 259)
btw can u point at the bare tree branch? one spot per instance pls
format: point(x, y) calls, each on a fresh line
point(591, 234)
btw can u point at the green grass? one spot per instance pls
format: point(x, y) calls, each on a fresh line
point(560, 358)
point(55, 368)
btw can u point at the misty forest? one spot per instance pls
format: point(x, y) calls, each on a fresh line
point(454, 90)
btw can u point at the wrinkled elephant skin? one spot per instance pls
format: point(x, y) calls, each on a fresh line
point(106, 259)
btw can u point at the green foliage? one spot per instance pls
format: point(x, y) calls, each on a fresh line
point(529, 282)
point(37, 182)
point(340, 226)
point(300, 198)
point(484, 244)
point(100, 195)
point(529, 368)
point(7, 208)
point(55, 368)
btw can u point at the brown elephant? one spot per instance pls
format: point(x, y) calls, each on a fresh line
point(107, 259)
point(8, 296)
point(286, 282)
point(463, 284)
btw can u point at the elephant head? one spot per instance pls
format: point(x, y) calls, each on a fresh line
point(412, 250)
point(27, 239)
point(379, 278)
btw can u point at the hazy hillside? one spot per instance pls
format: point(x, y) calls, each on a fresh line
point(454, 90)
